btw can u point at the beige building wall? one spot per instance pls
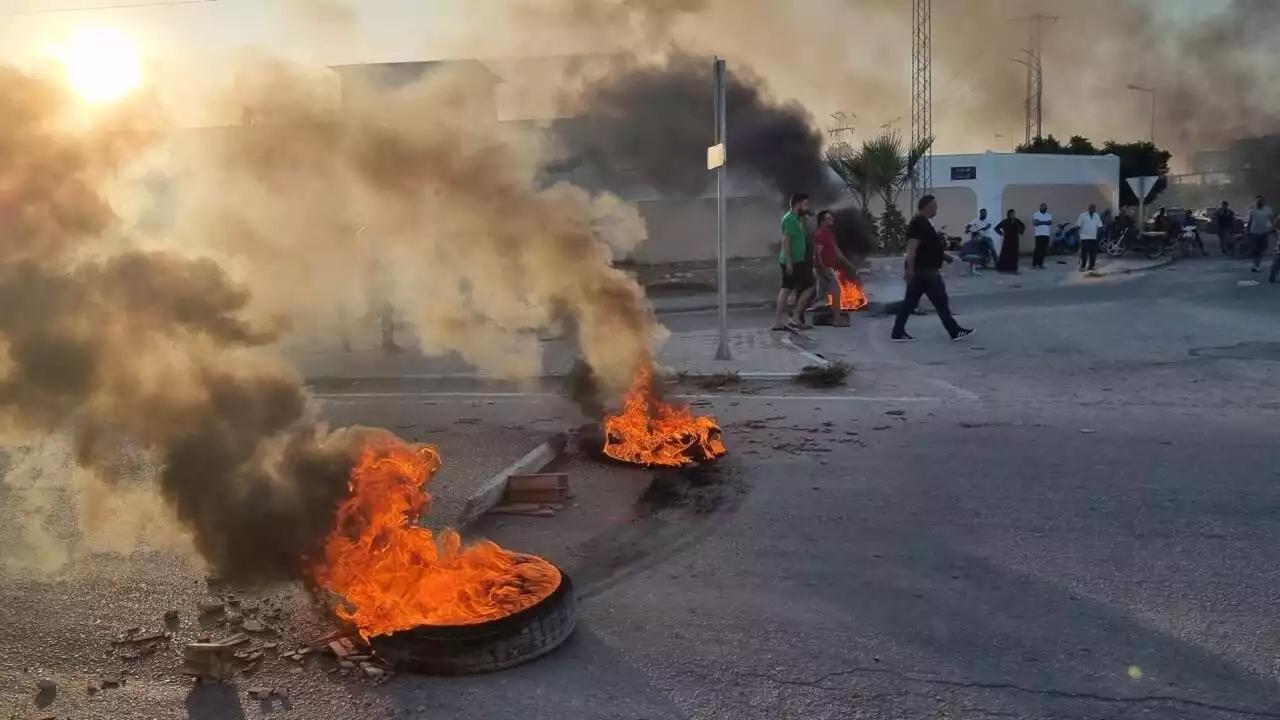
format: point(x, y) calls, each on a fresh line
point(1066, 202)
point(685, 229)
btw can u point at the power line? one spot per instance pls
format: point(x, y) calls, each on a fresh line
point(121, 6)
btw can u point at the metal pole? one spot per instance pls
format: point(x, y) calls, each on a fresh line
point(1153, 117)
point(722, 260)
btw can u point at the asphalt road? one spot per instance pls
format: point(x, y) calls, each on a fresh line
point(1073, 516)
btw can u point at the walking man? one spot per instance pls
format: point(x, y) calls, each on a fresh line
point(1089, 223)
point(926, 251)
point(1043, 223)
point(830, 262)
point(797, 273)
point(1261, 220)
point(1226, 222)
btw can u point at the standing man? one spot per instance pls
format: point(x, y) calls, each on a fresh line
point(1043, 223)
point(797, 274)
point(1089, 223)
point(1226, 223)
point(926, 251)
point(1261, 220)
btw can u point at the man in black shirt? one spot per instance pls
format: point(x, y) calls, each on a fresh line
point(926, 251)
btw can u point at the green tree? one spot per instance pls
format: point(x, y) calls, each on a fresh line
point(891, 164)
point(851, 166)
point(1137, 159)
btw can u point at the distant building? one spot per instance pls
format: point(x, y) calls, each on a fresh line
point(358, 80)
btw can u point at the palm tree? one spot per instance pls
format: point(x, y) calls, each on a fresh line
point(890, 164)
point(851, 167)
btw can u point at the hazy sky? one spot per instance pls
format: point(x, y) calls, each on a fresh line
point(188, 46)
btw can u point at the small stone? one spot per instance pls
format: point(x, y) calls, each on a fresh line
point(372, 671)
point(895, 412)
point(170, 615)
point(91, 689)
point(281, 693)
point(346, 664)
point(253, 626)
point(204, 638)
point(259, 693)
point(47, 686)
point(112, 681)
point(270, 646)
point(211, 608)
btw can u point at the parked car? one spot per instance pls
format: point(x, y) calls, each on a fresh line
point(1207, 220)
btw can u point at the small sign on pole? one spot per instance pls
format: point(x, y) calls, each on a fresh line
point(1142, 186)
point(715, 156)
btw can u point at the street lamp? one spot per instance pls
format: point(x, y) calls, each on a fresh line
point(1137, 88)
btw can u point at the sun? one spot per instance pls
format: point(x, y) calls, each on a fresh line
point(101, 65)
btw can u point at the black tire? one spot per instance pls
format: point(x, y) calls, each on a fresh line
point(1154, 251)
point(486, 647)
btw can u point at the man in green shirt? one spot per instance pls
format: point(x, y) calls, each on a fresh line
point(797, 271)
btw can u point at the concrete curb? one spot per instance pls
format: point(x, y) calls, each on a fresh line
point(708, 306)
point(490, 493)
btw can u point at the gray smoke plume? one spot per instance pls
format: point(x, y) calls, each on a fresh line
point(150, 350)
point(1211, 68)
point(165, 343)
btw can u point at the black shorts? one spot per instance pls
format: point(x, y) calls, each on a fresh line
point(801, 277)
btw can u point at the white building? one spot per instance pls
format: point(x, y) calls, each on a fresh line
point(999, 182)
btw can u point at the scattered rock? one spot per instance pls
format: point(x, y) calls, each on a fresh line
point(212, 608)
point(372, 672)
point(270, 646)
point(253, 626)
point(42, 716)
point(112, 681)
point(895, 412)
point(1086, 431)
point(91, 689)
point(171, 616)
point(46, 686)
point(346, 664)
point(260, 693)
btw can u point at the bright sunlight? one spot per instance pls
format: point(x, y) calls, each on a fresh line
point(101, 64)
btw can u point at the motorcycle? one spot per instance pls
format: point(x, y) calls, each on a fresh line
point(1189, 237)
point(1066, 240)
point(1119, 240)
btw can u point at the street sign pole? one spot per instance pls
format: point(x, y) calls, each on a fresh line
point(1142, 187)
point(722, 261)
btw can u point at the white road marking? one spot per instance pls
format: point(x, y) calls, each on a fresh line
point(418, 396)
point(959, 391)
point(816, 359)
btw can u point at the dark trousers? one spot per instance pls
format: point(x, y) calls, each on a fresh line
point(1257, 246)
point(1042, 249)
point(1275, 265)
point(1088, 254)
point(927, 284)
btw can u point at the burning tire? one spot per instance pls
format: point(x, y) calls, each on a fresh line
point(485, 647)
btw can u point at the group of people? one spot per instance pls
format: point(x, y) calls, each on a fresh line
point(1259, 224)
point(982, 236)
point(810, 264)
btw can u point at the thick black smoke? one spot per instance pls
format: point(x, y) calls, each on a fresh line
point(656, 120)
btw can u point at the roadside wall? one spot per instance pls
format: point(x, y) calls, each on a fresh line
point(681, 230)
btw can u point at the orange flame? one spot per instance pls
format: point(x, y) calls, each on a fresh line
point(852, 298)
point(394, 575)
point(651, 432)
